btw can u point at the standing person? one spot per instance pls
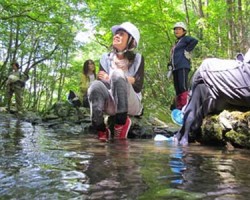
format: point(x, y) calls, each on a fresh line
point(180, 62)
point(15, 85)
point(88, 75)
point(117, 92)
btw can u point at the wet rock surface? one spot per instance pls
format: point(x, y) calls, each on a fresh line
point(63, 117)
point(67, 118)
point(230, 128)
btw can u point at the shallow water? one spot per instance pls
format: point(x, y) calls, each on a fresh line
point(37, 163)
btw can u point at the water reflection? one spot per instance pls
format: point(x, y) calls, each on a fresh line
point(216, 174)
point(37, 163)
point(114, 172)
point(10, 135)
point(176, 162)
point(197, 172)
point(177, 165)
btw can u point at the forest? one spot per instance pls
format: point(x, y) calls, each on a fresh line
point(52, 39)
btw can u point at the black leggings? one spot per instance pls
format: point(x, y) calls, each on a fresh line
point(180, 80)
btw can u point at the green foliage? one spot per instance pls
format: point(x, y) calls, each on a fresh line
point(44, 32)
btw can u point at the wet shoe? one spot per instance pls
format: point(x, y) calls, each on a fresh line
point(104, 135)
point(121, 131)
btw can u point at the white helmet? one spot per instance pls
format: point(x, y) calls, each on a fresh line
point(129, 28)
point(180, 25)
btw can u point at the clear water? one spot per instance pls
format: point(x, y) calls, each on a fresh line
point(38, 163)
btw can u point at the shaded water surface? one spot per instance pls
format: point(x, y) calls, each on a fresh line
point(39, 163)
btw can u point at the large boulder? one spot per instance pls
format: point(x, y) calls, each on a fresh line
point(227, 127)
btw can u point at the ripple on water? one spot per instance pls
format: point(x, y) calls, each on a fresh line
point(37, 163)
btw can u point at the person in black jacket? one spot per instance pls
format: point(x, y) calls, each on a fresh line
point(180, 62)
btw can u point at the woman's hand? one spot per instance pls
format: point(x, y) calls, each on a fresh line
point(131, 79)
point(103, 76)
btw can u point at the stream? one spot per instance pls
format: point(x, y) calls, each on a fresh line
point(41, 163)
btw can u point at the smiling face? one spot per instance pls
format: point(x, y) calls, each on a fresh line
point(179, 32)
point(120, 40)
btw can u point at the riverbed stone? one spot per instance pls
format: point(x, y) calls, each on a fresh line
point(227, 127)
point(230, 128)
point(65, 118)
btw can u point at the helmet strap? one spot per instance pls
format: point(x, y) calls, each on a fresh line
point(119, 52)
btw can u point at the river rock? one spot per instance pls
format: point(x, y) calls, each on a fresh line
point(64, 117)
point(227, 127)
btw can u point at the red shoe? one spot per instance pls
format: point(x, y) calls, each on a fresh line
point(104, 135)
point(121, 131)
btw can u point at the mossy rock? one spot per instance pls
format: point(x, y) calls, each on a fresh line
point(228, 126)
point(238, 139)
point(212, 132)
